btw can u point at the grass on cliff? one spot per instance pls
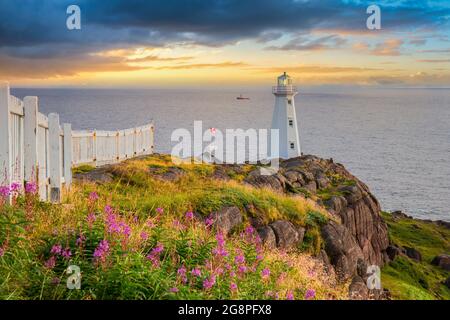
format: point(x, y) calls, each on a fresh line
point(135, 238)
point(136, 190)
point(407, 278)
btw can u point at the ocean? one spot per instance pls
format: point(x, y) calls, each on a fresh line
point(395, 140)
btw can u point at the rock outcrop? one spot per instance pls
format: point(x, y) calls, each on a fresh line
point(413, 254)
point(342, 249)
point(286, 234)
point(442, 261)
point(226, 219)
point(362, 232)
point(99, 175)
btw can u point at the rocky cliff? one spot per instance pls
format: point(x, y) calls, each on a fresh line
point(359, 236)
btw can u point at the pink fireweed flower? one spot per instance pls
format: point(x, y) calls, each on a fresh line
point(310, 294)
point(125, 229)
point(220, 249)
point(66, 253)
point(91, 219)
point(233, 286)
point(209, 221)
point(219, 271)
point(158, 249)
point(181, 272)
point(5, 191)
point(196, 272)
point(150, 224)
point(16, 187)
point(160, 210)
point(102, 251)
point(220, 239)
point(2, 252)
point(30, 188)
point(242, 269)
point(239, 259)
point(154, 255)
point(249, 230)
point(289, 295)
point(80, 240)
point(189, 215)
point(93, 196)
point(259, 257)
point(208, 283)
point(220, 252)
point(144, 235)
point(265, 273)
point(50, 263)
point(174, 290)
point(56, 249)
point(108, 210)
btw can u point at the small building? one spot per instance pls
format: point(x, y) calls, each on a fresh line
point(284, 118)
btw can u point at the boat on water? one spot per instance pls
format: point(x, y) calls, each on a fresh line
point(242, 98)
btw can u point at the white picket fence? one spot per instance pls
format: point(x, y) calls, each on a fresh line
point(35, 148)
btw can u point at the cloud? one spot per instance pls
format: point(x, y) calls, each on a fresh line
point(117, 23)
point(34, 37)
point(153, 58)
point(434, 60)
point(418, 42)
point(304, 43)
point(226, 64)
point(17, 67)
point(435, 51)
point(390, 47)
point(316, 69)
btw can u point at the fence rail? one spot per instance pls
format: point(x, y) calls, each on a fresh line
point(35, 148)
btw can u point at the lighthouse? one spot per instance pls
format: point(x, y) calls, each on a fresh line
point(284, 118)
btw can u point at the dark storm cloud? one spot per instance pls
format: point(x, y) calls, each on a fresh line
point(35, 30)
point(35, 23)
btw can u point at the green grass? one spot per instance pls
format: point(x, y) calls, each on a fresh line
point(30, 229)
point(408, 279)
point(82, 169)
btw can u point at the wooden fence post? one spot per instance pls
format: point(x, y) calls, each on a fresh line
point(67, 128)
point(152, 139)
point(55, 157)
point(30, 139)
point(135, 141)
point(94, 147)
point(5, 140)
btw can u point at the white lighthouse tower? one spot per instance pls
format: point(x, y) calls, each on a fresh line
point(284, 118)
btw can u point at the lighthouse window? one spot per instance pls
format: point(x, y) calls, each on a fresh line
point(292, 145)
point(289, 101)
point(291, 122)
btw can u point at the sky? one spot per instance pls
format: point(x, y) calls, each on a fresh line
point(140, 43)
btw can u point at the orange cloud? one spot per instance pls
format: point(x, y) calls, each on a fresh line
point(390, 47)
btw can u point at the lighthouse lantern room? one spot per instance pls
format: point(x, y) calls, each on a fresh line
point(284, 118)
